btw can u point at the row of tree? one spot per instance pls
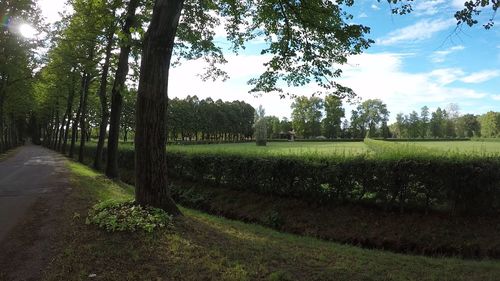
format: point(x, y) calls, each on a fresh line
point(81, 83)
point(444, 123)
point(315, 117)
point(17, 63)
point(195, 119)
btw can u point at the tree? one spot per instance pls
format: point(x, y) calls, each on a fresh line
point(467, 15)
point(260, 127)
point(127, 123)
point(490, 124)
point(331, 124)
point(17, 63)
point(400, 127)
point(437, 123)
point(306, 116)
point(468, 126)
point(424, 119)
point(413, 125)
point(369, 117)
point(305, 39)
point(273, 127)
point(118, 88)
point(110, 24)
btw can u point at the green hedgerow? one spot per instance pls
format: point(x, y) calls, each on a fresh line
point(127, 216)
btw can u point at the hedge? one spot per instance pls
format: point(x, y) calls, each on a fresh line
point(464, 184)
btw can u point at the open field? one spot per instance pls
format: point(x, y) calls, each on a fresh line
point(204, 247)
point(475, 147)
point(277, 148)
point(325, 149)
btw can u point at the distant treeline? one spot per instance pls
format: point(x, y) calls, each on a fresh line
point(192, 119)
point(324, 119)
point(446, 124)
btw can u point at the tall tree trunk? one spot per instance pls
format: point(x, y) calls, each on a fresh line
point(2, 142)
point(150, 137)
point(69, 112)
point(103, 125)
point(74, 129)
point(3, 89)
point(48, 135)
point(116, 93)
point(61, 132)
point(83, 115)
point(56, 129)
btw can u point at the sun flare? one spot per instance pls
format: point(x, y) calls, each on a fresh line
point(27, 31)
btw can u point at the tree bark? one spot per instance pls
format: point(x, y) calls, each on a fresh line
point(69, 112)
point(74, 128)
point(61, 132)
point(103, 125)
point(116, 94)
point(150, 137)
point(83, 116)
point(2, 142)
point(56, 129)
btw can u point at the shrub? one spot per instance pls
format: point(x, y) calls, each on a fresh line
point(398, 176)
point(127, 216)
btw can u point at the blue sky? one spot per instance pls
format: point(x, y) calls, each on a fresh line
point(417, 59)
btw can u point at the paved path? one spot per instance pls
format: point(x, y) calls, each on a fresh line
point(34, 184)
point(32, 173)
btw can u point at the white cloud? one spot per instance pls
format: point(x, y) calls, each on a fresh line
point(430, 7)
point(481, 76)
point(446, 76)
point(362, 15)
point(183, 81)
point(379, 75)
point(375, 7)
point(419, 31)
point(403, 91)
point(440, 56)
point(496, 97)
point(458, 4)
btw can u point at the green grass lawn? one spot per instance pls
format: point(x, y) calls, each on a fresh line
point(476, 147)
point(326, 149)
point(277, 148)
point(204, 247)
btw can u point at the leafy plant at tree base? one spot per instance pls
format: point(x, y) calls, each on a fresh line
point(127, 216)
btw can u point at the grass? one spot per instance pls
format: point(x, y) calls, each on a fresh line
point(277, 148)
point(475, 147)
point(204, 247)
point(344, 149)
point(4, 155)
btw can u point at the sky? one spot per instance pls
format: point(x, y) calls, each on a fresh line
point(417, 59)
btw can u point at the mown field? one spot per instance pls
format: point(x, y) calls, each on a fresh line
point(346, 149)
point(325, 149)
point(475, 147)
point(277, 148)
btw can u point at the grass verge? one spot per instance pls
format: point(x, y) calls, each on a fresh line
point(204, 247)
point(6, 154)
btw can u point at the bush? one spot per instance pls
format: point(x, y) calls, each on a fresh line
point(398, 176)
point(127, 216)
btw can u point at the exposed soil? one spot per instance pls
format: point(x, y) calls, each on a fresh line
point(434, 234)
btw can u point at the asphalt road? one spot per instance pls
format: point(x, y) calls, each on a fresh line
point(32, 174)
